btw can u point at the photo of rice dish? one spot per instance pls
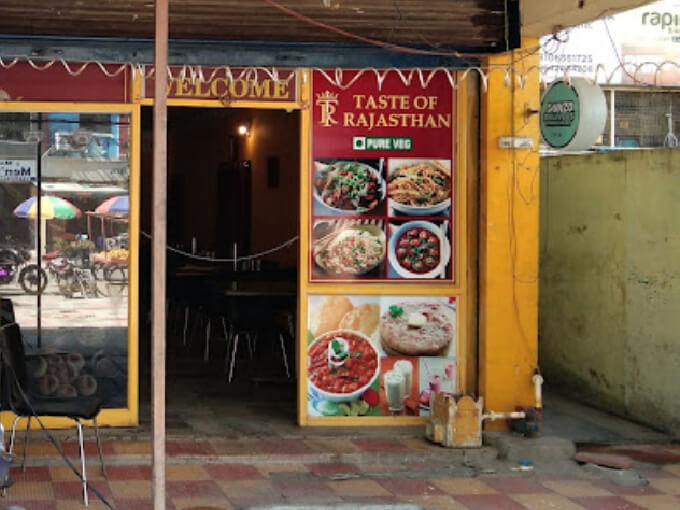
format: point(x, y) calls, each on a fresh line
point(351, 250)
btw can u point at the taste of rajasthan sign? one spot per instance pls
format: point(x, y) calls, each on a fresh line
point(396, 116)
point(239, 85)
point(383, 177)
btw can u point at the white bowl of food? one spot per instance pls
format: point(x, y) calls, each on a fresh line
point(418, 250)
point(351, 251)
point(341, 365)
point(419, 187)
point(349, 187)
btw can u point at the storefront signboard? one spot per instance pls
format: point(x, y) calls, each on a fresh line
point(383, 179)
point(572, 114)
point(21, 82)
point(237, 84)
point(559, 114)
point(379, 355)
point(17, 170)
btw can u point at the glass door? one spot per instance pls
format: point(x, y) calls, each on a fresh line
point(64, 249)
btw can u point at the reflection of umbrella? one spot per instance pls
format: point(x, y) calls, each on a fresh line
point(119, 205)
point(50, 208)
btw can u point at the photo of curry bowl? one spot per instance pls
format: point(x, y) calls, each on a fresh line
point(419, 249)
point(342, 365)
point(348, 187)
point(348, 248)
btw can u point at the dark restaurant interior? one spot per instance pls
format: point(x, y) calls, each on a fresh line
point(233, 190)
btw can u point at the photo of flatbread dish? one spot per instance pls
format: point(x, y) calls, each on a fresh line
point(417, 329)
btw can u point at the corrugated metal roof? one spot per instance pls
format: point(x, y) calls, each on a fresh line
point(478, 24)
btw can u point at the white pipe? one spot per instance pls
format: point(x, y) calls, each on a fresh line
point(512, 415)
point(538, 384)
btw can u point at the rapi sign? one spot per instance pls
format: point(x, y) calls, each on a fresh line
point(573, 114)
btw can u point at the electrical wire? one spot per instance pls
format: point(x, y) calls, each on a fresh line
point(368, 40)
point(51, 438)
point(254, 256)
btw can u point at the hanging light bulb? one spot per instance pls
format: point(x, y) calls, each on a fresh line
point(244, 129)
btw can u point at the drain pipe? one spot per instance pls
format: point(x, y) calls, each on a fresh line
point(511, 415)
point(538, 391)
point(537, 379)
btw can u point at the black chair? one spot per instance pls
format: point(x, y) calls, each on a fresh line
point(15, 377)
point(6, 311)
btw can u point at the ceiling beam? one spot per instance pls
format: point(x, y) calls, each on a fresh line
point(236, 53)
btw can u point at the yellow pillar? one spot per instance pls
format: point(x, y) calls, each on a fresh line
point(508, 249)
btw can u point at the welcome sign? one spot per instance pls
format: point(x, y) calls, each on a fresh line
point(240, 84)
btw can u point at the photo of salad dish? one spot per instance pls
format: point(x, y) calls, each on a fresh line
point(419, 249)
point(348, 187)
point(419, 187)
point(348, 248)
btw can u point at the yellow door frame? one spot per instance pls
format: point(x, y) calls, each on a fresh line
point(124, 416)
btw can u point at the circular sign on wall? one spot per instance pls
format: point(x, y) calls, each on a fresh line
point(573, 114)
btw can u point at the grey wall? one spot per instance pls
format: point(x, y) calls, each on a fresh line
point(609, 316)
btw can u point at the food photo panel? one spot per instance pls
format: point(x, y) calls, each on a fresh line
point(347, 187)
point(343, 356)
point(419, 249)
point(348, 249)
point(364, 353)
point(419, 187)
point(417, 326)
point(436, 375)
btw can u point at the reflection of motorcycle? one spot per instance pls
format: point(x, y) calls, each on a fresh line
point(70, 278)
point(10, 262)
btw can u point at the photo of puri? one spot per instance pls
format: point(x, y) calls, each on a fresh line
point(419, 250)
point(418, 326)
point(349, 187)
point(419, 187)
point(399, 385)
point(437, 375)
point(348, 249)
point(343, 357)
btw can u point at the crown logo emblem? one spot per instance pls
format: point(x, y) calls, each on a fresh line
point(327, 101)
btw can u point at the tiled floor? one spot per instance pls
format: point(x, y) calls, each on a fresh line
point(202, 479)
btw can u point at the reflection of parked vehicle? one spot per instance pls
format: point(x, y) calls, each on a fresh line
point(112, 268)
point(70, 278)
point(31, 278)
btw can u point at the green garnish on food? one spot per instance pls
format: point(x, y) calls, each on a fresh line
point(396, 311)
point(336, 346)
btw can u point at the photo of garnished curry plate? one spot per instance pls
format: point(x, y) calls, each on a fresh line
point(417, 327)
point(348, 249)
point(348, 187)
point(342, 365)
point(419, 249)
point(418, 187)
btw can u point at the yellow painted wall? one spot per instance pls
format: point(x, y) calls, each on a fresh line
point(508, 234)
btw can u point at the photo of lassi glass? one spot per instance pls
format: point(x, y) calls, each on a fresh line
point(393, 382)
point(405, 368)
